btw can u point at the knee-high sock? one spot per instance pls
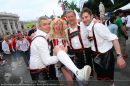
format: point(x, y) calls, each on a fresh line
point(65, 59)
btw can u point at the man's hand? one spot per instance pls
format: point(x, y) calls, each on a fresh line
point(121, 62)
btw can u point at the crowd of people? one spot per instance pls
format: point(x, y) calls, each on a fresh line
point(69, 49)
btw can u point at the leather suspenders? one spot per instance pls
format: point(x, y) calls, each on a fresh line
point(76, 33)
point(81, 42)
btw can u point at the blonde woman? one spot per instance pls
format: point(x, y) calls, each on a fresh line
point(58, 37)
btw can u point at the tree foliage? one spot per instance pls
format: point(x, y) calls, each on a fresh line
point(94, 5)
point(72, 5)
point(109, 6)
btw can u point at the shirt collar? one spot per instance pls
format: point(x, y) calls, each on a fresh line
point(41, 33)
point(78, 24)
point(91, 24)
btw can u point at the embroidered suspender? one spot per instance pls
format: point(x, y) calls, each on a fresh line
point(70, 39)
point(55, 42)
point(81, 42)
point(95, 41)
point(76, 33)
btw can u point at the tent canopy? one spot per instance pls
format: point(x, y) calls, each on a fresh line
point(126, 7)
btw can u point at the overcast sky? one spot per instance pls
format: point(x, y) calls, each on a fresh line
point(31, 9)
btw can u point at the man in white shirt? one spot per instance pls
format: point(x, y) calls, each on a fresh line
point(40, 55)
point(105, 42)
point(78, 41)
point(5, 46)
point(22, 46)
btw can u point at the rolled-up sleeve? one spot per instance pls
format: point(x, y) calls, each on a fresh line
point(104, 32)
point(44, 52)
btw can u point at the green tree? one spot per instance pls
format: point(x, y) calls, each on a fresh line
point(72, 5)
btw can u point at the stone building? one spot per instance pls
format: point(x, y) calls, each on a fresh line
point(9, 23)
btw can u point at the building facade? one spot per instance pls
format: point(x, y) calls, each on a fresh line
point(10, 24)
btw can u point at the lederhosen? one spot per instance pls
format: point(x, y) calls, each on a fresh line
point(35, 73)
point(104, 65)
point(82, 55)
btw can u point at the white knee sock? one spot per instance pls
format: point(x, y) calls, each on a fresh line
point(65, 59)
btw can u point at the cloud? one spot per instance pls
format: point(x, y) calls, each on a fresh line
point(30, 9)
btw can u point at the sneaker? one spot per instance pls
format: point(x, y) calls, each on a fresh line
point(84, 73)
point(112, 84)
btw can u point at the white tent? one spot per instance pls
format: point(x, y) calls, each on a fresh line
point(126, 7)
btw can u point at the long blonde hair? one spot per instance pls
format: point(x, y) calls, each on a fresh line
point(62, 29)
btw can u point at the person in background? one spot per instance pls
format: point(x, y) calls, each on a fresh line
point(30, 32)
point(112, 25)
point(122, 34)
point(6, 50)
point(22, 46)
point(2, 61)
point(128, 21)
point(1, 39)
point(27, 37)
point(11, 44)
point(14, 41)
point(5, 46)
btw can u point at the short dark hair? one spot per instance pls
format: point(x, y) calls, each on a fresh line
point(118, 12)
point(112, 19)
point(86, 10)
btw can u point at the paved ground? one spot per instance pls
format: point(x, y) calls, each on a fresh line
point(123, 76)
point(15, 72)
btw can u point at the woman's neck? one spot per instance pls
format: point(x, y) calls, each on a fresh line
point(58, 34)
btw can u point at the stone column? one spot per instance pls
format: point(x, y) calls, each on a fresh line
point(1, 32)
point(9, 27)
point(19, 27)
point(2, 27)
point(14, 27)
